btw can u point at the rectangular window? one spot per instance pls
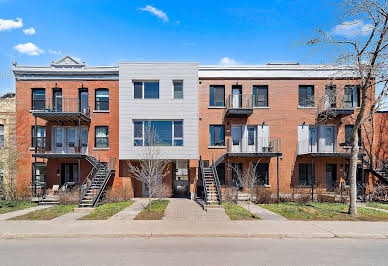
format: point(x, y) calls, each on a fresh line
point(57, 99)
point(352, 96)
point(260, 95)
point(313, 136)
point(178, 89)
point(305, 173)
point(1, 136)
point(101, 137)
point(306, 96)
point(38, 99)
point(40, 172)
point(40, 136)
point(217, 135)
point(166, 133)
point(102, 99)
point(262, 174)
point(251, 135)
point(146, 89)
point(348, 135)
point(217, 95)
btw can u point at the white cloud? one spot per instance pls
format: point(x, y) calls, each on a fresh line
point(157, 12)
point(29, 31)
point(351, 29)
point(9, 24)
point(28, 49)
point(228, 61)
point(56, 52)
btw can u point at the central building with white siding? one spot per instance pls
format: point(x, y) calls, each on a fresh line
point(165, 97)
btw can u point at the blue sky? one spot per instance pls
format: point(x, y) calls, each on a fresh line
point(106, 32)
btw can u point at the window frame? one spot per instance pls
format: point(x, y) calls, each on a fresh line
point(351, 88)
point(141, 141)
point(33, 101)
point(307, 175)
point(143, 89)
point(255, 89)
point(173, 89)
point(34, 138)
point(34, 166)
point(212, 87)
point(262, 166)
point(95, 137)
point(303, 102)
point(97, 102)
point(212, 142)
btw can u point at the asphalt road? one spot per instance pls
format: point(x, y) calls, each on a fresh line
point(192, 251)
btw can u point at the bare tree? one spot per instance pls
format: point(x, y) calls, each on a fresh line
point(367, 53)
point(151, 168)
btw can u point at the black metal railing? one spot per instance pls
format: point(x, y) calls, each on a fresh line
point(60, 105)
point(259, 145)
point(239, 101)
point(201, 167)
point(217, 181)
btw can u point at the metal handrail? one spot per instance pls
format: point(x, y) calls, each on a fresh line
point(203, 178)
point(217, 181)
point(262, 145)
point(86, 184)
point(60, 105)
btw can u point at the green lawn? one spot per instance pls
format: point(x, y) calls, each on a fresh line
point(379, 205)
point(236, 212)
point(47, 214)
point(157, 211)
point(324, 212)
point(10, 206)
point(107, 210)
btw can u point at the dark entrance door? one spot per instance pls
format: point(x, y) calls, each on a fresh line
point(331, 176)
point(69, 173)
point(180, 180)
point(236, 96)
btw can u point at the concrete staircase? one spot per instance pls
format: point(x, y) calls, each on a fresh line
point(49, 200)
point(211, 190)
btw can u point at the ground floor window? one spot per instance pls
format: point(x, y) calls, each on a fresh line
point(40, 171)
point(305, 173)
point(262, 174)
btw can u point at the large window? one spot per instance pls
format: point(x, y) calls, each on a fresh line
point(305, 173)
point(40, 138)
point(163, 133)
point(306, 96)
point(262, 174)
point(146, 89)
point(102, 99)
point(217, 95)
point(178, 89)
point(1, 136)
point(260, 96)
point(352, 96)
point(217, 135)
point(101, 137)
point(40, 172)
point(38, 99)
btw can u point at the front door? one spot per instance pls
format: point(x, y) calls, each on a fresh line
point(263, 138)
point(236, 138)
point(329, 139)
point(69, 173)
point(330, 97)
point(252, 138)
point(59, 140)
point(331, 176)
point(84, 101)
point(71, 139)
point(180, 179)
point(57, 100)
point(236, 96)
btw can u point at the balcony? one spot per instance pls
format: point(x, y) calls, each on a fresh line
point(261, 147)
point(324, 148)
point(61, 110)
point(238, 106)
point(335, 106)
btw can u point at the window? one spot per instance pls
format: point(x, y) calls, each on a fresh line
point(217, 135)
point(168, 133)
point(260, 96)
point(305, 173)
point(101, 137)
point(352, 96)
point(306, 96)
point(38, 99)
point(102, 99)
point(217, 95)
point(348, 135)
point(262, 174)
point(221, 173)
point(40, 138)
point(313, 135)
point(40, 172)
point(57, 99)
point(178, 89)
point(146, 89)
point(251, 135)
point(1, 136)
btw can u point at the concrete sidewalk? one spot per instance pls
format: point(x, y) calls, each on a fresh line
point(165, 228)
point(9, 215)
point(264, 214)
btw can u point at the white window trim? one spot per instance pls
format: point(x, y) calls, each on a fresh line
point(172, 132)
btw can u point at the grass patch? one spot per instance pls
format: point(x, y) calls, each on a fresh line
point(10, 206)
point(379, 205)
point(236, 212)
point(47, 214)
point(324, 212)
point(107, 210)
point(157, 211)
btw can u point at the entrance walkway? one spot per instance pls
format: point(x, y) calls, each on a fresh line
point(71, 216)
point(264, 214)
point(130, 212)
point(185, 209)
point(9, 215)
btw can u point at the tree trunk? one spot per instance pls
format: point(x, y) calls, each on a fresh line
point(353, 172)
point(149, 199)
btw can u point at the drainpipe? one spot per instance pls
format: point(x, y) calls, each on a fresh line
point(277, 178)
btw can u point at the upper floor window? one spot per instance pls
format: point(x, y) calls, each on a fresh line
point(217, 95)
point(217, 135)
point(178, 89)
point(102, 99)
point(1, 136)
point(159, 133)
point(57, 99)
point(260, 96)
point(306, 95)
point(146, 89)
point(40, 138)
point(38, 99)
point(352, 96)
point(348, 135)
point(101, 137)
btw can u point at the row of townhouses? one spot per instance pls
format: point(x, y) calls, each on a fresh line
point(78, 124)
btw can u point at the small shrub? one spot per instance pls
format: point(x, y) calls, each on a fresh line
point(69, 196)
point(263, 196)
point(230, 194)
point(119, 194)
point(161, 191)
point(378, 193)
